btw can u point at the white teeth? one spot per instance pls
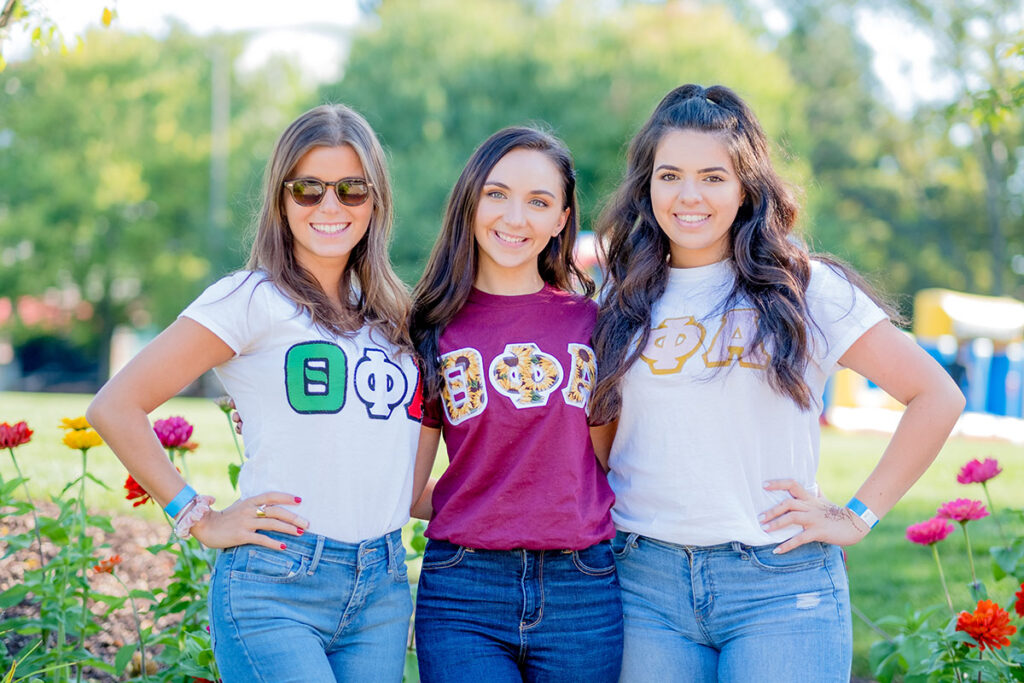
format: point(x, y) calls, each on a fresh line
point(328, 228)
point(690, 218)
point(511, 239)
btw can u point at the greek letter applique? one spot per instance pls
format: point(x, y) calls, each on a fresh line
point(583, 373)
point(315, 377)
point(463, 394)
point(525, 374)
point(736, 331)
point(671, 343)
point(379, 383)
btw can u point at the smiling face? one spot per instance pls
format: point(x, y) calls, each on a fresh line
point(325, 234)
point(695, 194)
point(521, 207)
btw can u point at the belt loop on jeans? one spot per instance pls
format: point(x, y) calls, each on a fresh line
point(389, 539)
point(316, 555)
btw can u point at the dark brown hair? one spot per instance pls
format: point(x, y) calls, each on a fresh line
point(772, 267)
point(451, 270)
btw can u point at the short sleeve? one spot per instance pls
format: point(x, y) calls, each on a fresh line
point(432, 413)
point(841, 313)
point(233, 308)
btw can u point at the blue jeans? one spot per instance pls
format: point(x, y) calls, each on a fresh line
point(322, 610)
point(733, 612)
point(489, 616)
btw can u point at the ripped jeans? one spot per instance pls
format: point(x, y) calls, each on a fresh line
point(733, 612)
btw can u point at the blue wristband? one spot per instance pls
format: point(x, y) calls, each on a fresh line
point(862, 511)
point(180, 500)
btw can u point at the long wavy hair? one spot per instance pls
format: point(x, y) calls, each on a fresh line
point(370, 291)
point(772, 267)
point(451, 270)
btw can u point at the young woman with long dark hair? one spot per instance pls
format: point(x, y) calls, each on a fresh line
point(518, 580)
point(716, 333)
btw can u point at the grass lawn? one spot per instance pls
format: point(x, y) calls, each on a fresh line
point(888, 575)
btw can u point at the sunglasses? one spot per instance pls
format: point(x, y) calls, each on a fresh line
point(311, 191)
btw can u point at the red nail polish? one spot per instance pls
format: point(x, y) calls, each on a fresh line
point(283, 546)
point(300, 530)
point(297, 499)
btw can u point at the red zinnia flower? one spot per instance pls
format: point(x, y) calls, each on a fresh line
point(135, 492)
point(14, 435)
point(1018, 606)
point(174, 432)
point(962, 510)
point(107, 566)
point(929, 532)
point(989, 625)
point(978, 472)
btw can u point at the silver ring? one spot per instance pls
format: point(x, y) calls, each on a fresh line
point(261, 510)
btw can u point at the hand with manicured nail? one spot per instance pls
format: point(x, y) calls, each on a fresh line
point(238, 523)
point(821, 519)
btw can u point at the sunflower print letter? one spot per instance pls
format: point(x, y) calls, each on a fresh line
point(581, 380)
point(463, 393)
point(525, 374)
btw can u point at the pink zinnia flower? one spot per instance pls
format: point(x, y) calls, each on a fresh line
point(173, 432)
point(962, 510)
point(978, 472)
point(929, 532)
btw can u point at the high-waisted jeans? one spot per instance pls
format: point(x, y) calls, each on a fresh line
point(733, 612)
point(490, 616)
point(320, 611)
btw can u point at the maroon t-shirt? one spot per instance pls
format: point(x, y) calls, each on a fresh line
point(517, 376)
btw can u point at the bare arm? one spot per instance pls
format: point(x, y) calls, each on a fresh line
point(894, 362)
point(602, 437)
point(172, 361)
point(423, 485)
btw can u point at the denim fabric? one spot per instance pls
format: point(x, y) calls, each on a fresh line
point(321, 610)
point(488, 616)
point(733, 612)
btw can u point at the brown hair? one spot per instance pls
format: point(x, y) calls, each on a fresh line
point(380, 299)
point(451, 270)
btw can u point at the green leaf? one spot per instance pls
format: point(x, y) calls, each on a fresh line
point(124, 655)
point(13, 595)
point(233, 471)
point(98, 481)
point(978, 590)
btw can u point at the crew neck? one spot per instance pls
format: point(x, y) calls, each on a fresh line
point(718, 271)
point(478, 296)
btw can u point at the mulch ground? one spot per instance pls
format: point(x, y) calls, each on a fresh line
point(139, 569)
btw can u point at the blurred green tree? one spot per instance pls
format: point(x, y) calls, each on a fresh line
point(437, 78)
point(105, 192)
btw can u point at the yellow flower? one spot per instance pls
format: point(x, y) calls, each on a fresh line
point(82, 439)
point(75, 423)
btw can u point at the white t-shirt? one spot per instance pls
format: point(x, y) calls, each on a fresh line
point(330, 419)
point(701, 429)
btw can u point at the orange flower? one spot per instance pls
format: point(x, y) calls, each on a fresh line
point(989, 625)
point(107, 566)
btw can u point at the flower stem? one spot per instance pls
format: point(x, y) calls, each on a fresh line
point(234, 436)
point(45, 633)
point(81, 546)
point(138, 628)
point(35, 517)
point(970, 555)
point(942, 577)
point(988, 497)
